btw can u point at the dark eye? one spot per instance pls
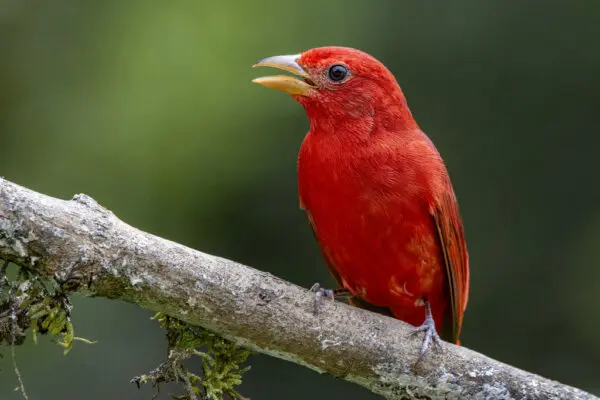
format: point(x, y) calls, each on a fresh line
point(337, 73)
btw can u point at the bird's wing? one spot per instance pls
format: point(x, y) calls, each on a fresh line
point(456, 259)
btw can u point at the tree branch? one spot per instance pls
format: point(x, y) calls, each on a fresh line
point(79, 243)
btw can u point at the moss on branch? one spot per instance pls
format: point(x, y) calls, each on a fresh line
point(221, 362)
point(29, 302)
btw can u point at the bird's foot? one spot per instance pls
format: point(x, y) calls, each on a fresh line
point(321, 292)
point(431, 335)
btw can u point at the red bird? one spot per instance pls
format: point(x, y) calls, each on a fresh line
point(376, 191)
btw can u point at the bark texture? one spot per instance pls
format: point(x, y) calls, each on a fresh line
point(87, 248)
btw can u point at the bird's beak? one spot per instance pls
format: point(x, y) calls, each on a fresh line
point(296, 86)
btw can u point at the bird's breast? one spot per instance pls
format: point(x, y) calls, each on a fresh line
point(370, 214)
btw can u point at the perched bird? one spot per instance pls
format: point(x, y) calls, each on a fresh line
point(376, 191)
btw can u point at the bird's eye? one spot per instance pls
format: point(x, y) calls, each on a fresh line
point(337, 73)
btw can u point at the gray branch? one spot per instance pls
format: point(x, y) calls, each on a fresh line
point(82, 244)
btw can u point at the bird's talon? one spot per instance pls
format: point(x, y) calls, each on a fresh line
point(314, 288)
point(431, 334)
point(320, 293)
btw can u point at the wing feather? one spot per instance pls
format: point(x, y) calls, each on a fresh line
point(456, 259)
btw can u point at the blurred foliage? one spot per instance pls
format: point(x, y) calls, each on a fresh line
point(147, 106)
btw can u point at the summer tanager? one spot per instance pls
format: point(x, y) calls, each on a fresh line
point(376, 191)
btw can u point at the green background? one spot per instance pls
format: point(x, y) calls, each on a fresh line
point(147, 106)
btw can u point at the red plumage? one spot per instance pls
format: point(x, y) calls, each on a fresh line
point(378, 195)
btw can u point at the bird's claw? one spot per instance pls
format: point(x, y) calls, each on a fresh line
point(321, 292)
point(431, 335)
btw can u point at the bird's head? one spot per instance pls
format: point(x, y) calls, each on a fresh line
point(340, 84)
